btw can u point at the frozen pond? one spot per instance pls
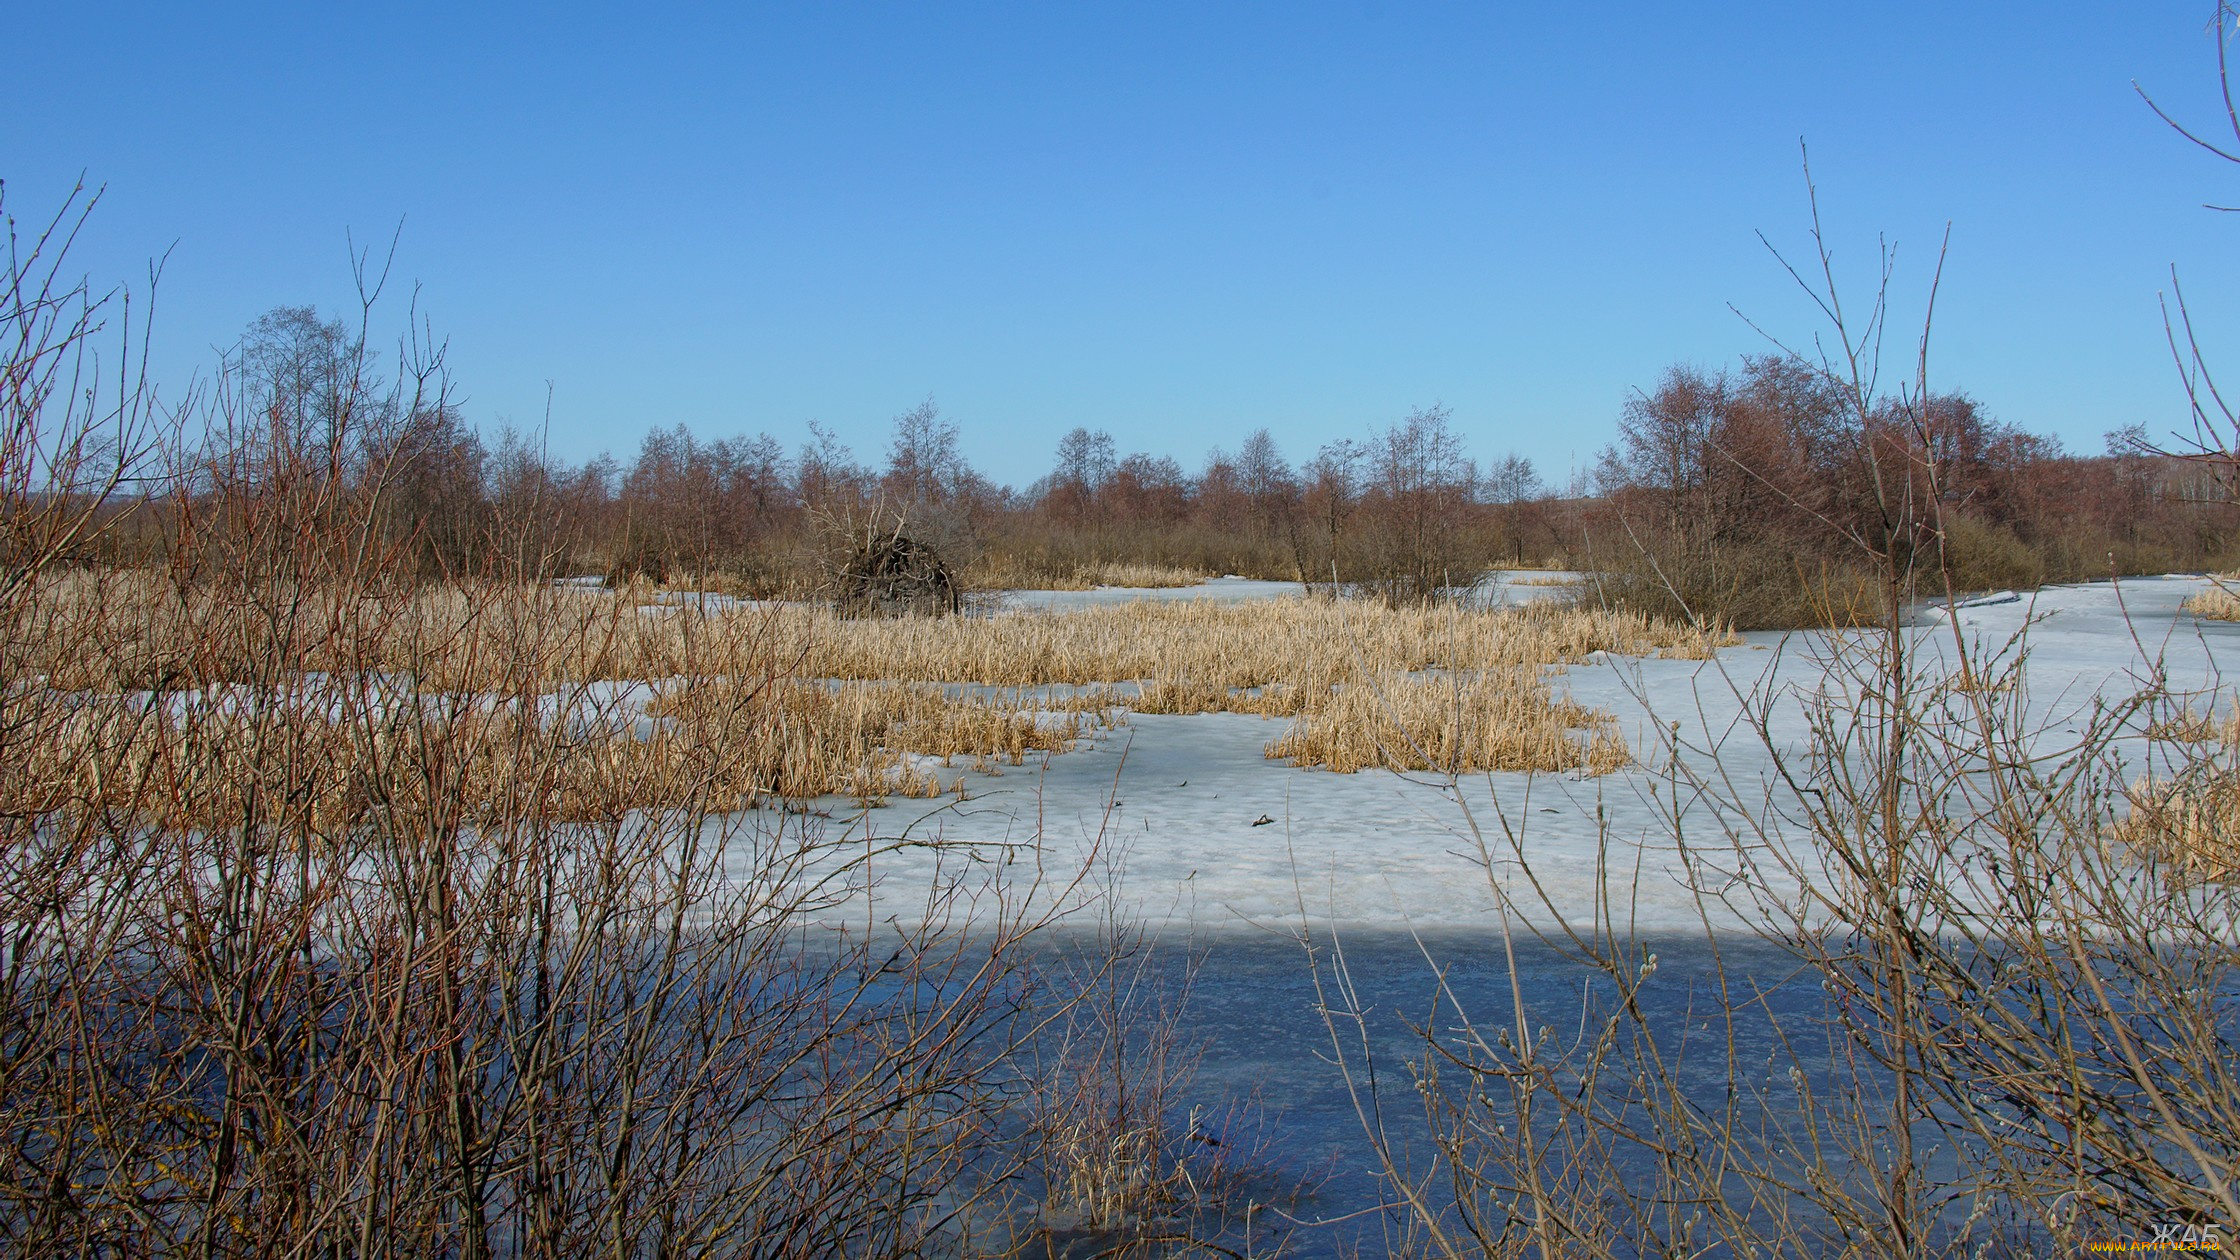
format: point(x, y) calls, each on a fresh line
point(1387, 863)
point(1254, 1021)
point(1215, 836)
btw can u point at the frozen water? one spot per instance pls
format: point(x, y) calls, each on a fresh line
point(1175, 799)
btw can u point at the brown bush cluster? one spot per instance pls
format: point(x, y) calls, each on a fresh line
point(1773, 498)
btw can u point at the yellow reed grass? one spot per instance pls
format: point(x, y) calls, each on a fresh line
point(2221, 602)
point(1502, 720)
point(808, 733)
point(1292, 658)
point(720, 743)
point(2192, 826)
point(1295, 642)
point(1138, 576)
point(1970, 681)
point(150, 635)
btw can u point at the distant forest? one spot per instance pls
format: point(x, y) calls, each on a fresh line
point(1760, 497)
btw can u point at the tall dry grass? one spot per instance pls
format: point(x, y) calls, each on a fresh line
point(1292, 658)
point(1139, 576)
point(2220, 602)
point(1340, 668)
point(1500, 721)
point(2189, 827)
point(859, 739)
point(2186, 819)
point(1292, 642)
point(146, 625)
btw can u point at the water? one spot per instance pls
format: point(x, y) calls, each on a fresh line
point(1256, 1017)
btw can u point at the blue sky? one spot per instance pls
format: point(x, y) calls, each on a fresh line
point(1175, 222)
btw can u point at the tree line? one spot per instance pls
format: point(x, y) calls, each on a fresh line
point(1766, 497)
point(1752, 496)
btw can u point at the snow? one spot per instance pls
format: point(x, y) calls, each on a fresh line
point(1173, 799)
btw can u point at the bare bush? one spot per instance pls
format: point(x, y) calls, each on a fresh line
point(341, 920)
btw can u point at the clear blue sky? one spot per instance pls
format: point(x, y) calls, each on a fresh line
point(1175, 222)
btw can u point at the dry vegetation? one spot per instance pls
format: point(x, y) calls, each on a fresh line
point(1497, 721)
point(1291, 642)
point(2188, 821)
point(1140, 576)
point(494, 665)
point(128, 631)
point(1340, 667)
point(1135, 575)
point(2190, 827)
point(815, 740)
point(349, 915)
point(2218, 603)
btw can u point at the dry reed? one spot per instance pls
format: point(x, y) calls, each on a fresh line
point(146, 627)
point(1138, 576)
point(1278, 658)
point(2189, 822)
point(1293, 642)
point(2220, 602)
point(189, 762)
point(1504, 720)
point(2188, 725)
point(2191, 826)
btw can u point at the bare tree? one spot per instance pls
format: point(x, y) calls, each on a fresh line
point(1415, 538)
point(925, 467)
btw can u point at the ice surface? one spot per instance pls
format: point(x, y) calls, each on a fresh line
point(1175, 798)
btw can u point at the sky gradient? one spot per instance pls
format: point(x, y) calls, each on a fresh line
point(1177, 223)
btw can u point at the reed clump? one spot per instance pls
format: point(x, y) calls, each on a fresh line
point(197, 761)
point(147, 628)
point(1236, 646)
point(2190, 825)
point(1138, 576)
point(1320, 663)
point(2220, 602)
point(1503, 720)
point(810, 739)
point(1287, 658)
point(2189, 821)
